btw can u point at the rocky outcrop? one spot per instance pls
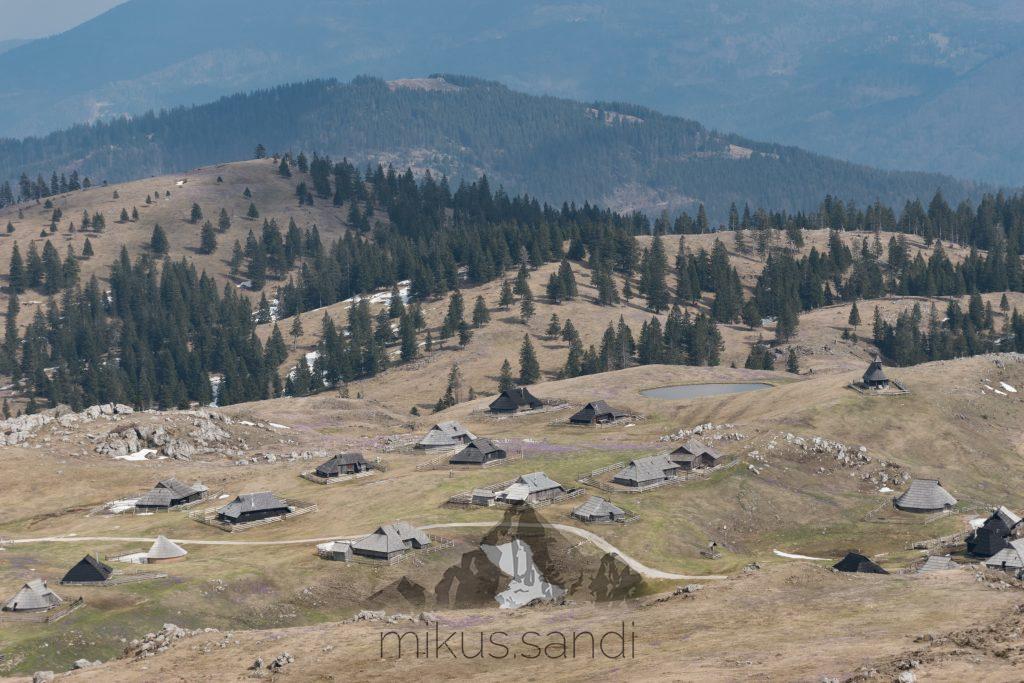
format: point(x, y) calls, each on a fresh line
point(204, 436)
point(155, 643)
point(16, 430)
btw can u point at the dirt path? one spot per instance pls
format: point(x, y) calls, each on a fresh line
point(601, 543)
point(604, 545)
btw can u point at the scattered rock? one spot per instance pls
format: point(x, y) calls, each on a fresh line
point(42, 677)
point(281, 661)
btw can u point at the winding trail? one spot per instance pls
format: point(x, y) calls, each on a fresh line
point(601, 543)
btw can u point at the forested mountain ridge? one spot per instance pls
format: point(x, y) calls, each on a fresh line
point(916, 85)
point(617, 155)
point(144, 292)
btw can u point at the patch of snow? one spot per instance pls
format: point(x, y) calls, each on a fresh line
point(1001, 393)
point(247, 423)
point(223, 496)
point(136, 456)
point(1009, 388)
point(119, 506)
point(977, 522)
point(792, 556)
point(133, 558)
point(275, 425)
point(885, 489)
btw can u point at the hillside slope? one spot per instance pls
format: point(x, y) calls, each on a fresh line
point(618, 155)
point(889, 85)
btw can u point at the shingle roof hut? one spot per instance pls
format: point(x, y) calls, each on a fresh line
point(250, 507)
point(694, 454)
point(1009, 559)
point(165, 550)
point(483, 497)
point(597, 509)
point(339, 551)
point(169, 493)
point(874, 376)
point(446, 435)
point(937, 563)
point(531, 488)
point(88, 570)
point(596, 412)
point(478, 452)
point(515, 400)
point(343, 463)
point(994, 534)
point(924, 495)
point(646, 471)
point(391, 540)
point(34, 596)
point(855, 562)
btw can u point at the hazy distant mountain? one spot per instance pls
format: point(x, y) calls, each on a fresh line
point(11, 43)
point(618, 155)
point(922, 84)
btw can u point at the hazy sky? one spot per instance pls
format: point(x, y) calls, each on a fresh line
point(38, 18)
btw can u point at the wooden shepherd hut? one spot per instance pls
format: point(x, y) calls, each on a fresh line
point(855, 562)
point(646, 471)
point(924, 495)
point(994, 535)
point(34, 596)
point(250, 507)
point(597, 412)
point(515, 400)
point(478, 452)
point(874, 376)
point(343, 464)
point(88, 570)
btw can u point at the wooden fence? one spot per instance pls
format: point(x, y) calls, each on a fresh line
point(47, 617)
point(311, 475)
point(210, 518)
point(119, 578)
point(104, 509)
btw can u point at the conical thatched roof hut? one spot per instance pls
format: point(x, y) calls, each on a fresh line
point(165, 550)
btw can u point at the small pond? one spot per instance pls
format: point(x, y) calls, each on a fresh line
point(682, 391)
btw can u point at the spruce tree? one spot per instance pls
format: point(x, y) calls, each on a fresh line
point(455, 315)
point(854, 319)
point(296, 329)
point(526, 307)
point(505, 299)
point(223, 221)
point(207, 239)
point(505, 379)
point(407, 334)
point(17, 280)
point(196, 215)
point(529, 367)
point(396, 307)
point(481, 316)
point(554, 326)
point(793, 363)
point(158, 241)
point(87, 249)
